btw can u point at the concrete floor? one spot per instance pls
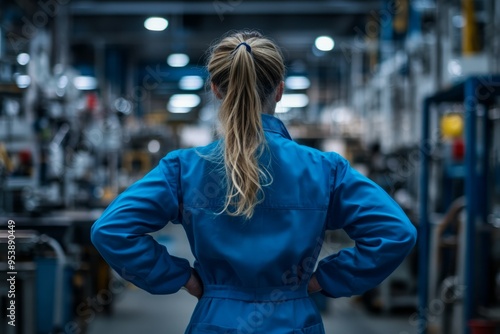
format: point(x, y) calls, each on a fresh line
point(136, 311)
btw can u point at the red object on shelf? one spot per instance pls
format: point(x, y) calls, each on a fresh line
point(91, 101)
point(458, 149)
point(25, 157)
point(481, 326)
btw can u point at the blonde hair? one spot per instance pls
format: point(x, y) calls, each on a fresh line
point(246, 77)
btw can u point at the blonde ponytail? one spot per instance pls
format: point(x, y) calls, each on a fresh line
point(246, 69)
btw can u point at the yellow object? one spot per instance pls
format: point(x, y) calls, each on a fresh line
point(108, 194)
point(4, 158)
point(137, 162)
point(400, 22)
point(452, 125)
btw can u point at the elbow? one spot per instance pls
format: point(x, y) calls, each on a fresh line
point(409, 237)
point(101, 239)
point(96, 234)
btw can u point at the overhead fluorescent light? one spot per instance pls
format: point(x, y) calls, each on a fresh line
point(85, 82)
point(297, 82)
point(324, 43)
point(177, 110)
point(183, 103)
point(185, 100)
point(156, 23)
point(178, 60)
point(191, 82)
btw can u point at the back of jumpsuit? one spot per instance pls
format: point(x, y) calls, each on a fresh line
point(255, 273)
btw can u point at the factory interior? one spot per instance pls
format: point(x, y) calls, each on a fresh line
point(93, 94)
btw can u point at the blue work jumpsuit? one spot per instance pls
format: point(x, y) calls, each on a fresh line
point(255, 273)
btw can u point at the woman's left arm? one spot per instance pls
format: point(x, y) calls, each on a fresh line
point(382, 233)
point(121, 233)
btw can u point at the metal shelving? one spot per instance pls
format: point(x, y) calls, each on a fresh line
point(475, 91)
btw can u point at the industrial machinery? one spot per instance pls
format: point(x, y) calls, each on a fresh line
point(465, 167)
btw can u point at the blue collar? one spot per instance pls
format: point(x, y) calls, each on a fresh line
point(273, 124)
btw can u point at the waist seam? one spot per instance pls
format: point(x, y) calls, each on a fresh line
point(271, 294)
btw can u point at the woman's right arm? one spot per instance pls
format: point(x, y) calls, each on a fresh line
point(122, 233)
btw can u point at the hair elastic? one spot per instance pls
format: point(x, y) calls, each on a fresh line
point(249, 49)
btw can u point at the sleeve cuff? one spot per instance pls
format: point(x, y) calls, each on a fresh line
point(334, 283)
point(173, 281)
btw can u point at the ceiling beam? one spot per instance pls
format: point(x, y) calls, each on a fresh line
point(222, 7)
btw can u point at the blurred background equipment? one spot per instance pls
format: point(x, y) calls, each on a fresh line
point(453, 180)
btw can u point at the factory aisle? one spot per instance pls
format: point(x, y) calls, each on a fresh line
point(136, 311)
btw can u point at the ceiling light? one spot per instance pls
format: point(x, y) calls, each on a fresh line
point(84, 82)
point(178, 60)
point(183, 103)
point(297, 82)
point(177, 110)
point(294, 101)
point(191, 82)
point(324, 43)
point(23, 58)
point(185, 100)
point(156, 24)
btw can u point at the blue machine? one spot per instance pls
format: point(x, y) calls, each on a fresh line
point(53, 314)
